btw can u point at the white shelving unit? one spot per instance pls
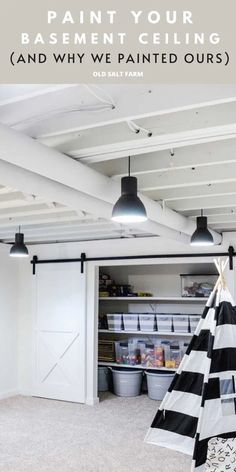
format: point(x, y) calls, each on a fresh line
point(163, 280)
point(145, 333)
point(155, 299)
point(139, 366)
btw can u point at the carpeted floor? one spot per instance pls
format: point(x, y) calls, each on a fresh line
point(38, 435)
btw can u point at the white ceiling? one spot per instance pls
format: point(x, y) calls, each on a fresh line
point(182, 142)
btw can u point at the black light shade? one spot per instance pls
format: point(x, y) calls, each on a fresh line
point(202, 235)
point(129, 208)
point(19, 248)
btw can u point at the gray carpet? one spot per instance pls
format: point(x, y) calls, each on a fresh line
point(38, 435)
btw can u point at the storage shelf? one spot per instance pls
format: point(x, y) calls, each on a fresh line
point(159, 333)
point(140, 367)
point(156, 299)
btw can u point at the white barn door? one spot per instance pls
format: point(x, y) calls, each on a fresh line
point(60, 332)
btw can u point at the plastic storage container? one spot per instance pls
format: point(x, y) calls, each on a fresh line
point(193, 321)
point(127, 382)
point(115, 321)
point(131, 322)
point(197, 285)
point(158, 384)
point(103, 379)
point(152, 355)
point(127, 353)
point(181, 323)
point(173, 355)
point(147, 322)
point(122, 352)
point(164, 323)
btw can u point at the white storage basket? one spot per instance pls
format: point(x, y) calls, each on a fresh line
point(164, 323)
point(193, 321)
point(131, 322)
point(181, 323)
point(115, 322)
point(147, 322)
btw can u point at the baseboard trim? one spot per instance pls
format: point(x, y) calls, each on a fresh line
point(8, 394)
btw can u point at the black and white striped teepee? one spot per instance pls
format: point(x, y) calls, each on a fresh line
point(201, 401)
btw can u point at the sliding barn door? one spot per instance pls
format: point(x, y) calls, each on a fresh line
point(60, 332)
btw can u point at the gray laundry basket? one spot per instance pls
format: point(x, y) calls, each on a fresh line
point(103, 379)
point(158, 384)
point(127, 382)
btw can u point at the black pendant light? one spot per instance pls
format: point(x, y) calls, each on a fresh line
point(19, 248)
point(202, 236)
point(129, 208)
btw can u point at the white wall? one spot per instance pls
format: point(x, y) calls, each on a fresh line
point(122, 247)
point(8, 323)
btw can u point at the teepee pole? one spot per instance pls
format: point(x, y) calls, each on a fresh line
point(221, 266)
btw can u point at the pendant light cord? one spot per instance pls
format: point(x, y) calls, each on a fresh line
point(129, 166)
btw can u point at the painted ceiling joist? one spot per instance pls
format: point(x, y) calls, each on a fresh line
point(223, 201)
point(100, 191)
point(135, 102)
point(155, 143)
point(196, 122)
point(72, 198)
point(201, 155)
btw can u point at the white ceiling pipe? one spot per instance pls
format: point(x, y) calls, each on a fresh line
point(21, 150)
point(33, 183)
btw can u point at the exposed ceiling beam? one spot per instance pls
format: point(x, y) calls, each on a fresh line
point(230, 226)
point(14, 199)
point(73, 238)
point(19, 93)
point(63, 218)
point(223, 201)
point(4, 190)
point(49, 230)
point(29, 210)
point(184, 193)
point(74, 199)
point(90, 187)
point(212, 212)
point(189, 177)
point(155, 143)
point(162, 99)
point(172, 159)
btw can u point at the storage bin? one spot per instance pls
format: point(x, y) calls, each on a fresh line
point(158, 384)
point(131, 322)
point(147, 322)
point(103, 379)
point(127, 382)
point(127, 353)
point(148, 355)
point(197, 285)
point(152, 355)
point(181, 323)
point(122, 352)
point(115, 321)
point(164, 323)
point(134, 353)
point(193, 321)
point(173, 356)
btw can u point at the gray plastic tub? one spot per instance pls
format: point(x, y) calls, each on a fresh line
point(158, 384)
point(103, 379)
point(127, 382)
